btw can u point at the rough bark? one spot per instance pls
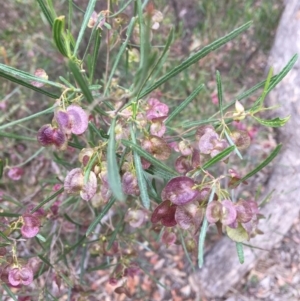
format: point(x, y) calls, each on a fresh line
point(222, 269)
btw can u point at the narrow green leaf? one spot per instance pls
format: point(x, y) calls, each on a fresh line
point(189, 124)
point(9, 214)
point(113, 172)
point(121, 9)
point(232, 143)
point(71, 248)
point(99, 132)
point(119, 55)
point(45, 260)
point(220, 92)
point(68, 218)
point(240, 251)
point(9, 292)
point(98, 219)
point(159, 63)
point(283, 72)
point(4, 69)
point(276, 122)
point(196, 57)
point(48, 199)
point(223, 154)
point(81, 82)
point(88, 168)
point(86, 18)
point(203, 233)
point(140, 174)
point(95, 54)
point(157, 172)
point(114, 234)
point(9, 124)
point(58, 32)
point(47, 12)
point(17, 137)
point(262, 165)
point(266, 87)
point(148, 157)
point(102, 266)
point(41, 237)
point(266, 199)
point(27, 85)
point(184, 103)
point(4, 237)
point(1, 168)
point(75, 145)
point(186, 251)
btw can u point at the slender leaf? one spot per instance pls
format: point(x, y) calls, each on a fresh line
point(114, 234)
point(71, 248)
point(1, 168)
point(81, 82)
point(266, 199)
point(240, 251)
point(9, 214)
point(101, 134)
point(9, 124)
point(266, 87)
point(148, 157)
point(68, 218)
point(157, 172)
point(223, 154)
point(4, 69)
point(189, 124)
point(45, 260)
point(196, 57)
point(119, 55)
point(220, 92)
point(48, 199)
point(276, 122)
point(113, 172)
point(41, 237)
point(9, 292)
point(283, 72)
point(186, 251)
point(47, 12)
point(140, 174)
point(95, 54)
point(159, 63)
point(27, 85)
point(18, 137)
point(184, 103)
point(102, 266)
point(86, 18)
point(203, 233)
point(98, 219)
point(121, 9)
point(232, 143)
point(58, 33)
point(261, 166)
point(89, 167)
point(4, 237)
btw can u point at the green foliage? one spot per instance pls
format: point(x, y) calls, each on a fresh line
point(121, 144)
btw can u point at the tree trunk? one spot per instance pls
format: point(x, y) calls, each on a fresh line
point(222, 269)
